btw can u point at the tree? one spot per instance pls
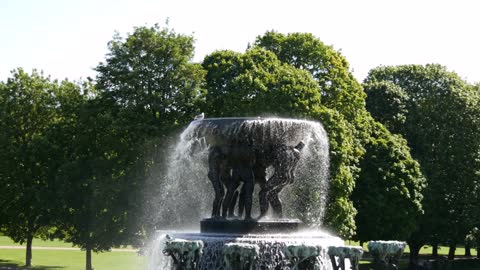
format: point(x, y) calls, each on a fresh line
point(150, 74)
point(387, 193)
point(99, 179)
point(246, 84)
point(340, 92)
point(339, 89)
point(149, 89)
point(28, 110)
point(386, 94)
point(257, 83)
point(442, 130)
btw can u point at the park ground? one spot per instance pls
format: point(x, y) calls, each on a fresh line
point(57, 255)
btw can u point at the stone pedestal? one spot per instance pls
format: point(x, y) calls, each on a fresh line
point(238, 226)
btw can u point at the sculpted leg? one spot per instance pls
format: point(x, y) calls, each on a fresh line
point(275, 201)
point(219, 193)
point(232, 185)
point(214, 174)
point(248, 186)
point(241, 202)
point(263, 197)
point(233, 203)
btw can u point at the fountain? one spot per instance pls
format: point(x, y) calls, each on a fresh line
point(217, 168)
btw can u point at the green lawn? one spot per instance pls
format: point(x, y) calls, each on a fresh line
point(68, 259)
point(73, 260)
point(6, 241)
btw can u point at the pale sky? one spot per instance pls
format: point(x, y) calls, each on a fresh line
point(67, 38)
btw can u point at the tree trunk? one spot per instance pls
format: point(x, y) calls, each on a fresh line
point(435, 250)
point(478, 252)
point(468, 253)
point(451, 251)
point(88, 265)
point(414, 250)
point(28, 255)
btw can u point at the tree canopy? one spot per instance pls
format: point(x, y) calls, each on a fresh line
point(30, 106)
point(341, 93)
point(339, 89)
point(441, 126)
point(387, 195)
point(277, 77)
point(150, 73)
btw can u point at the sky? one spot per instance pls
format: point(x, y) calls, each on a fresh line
point(68, 38)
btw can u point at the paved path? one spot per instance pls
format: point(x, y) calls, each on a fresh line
point(65, 248)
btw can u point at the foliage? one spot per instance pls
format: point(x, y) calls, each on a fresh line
point(383, 95)
point(95, 181)
point(30, 105)
point(442, 130)
point(338, 88)
point(150, 74)
point(340, 211)
point(151, 89)
point(343, 94)
point(387, 194)
point(257, 83)
point(247, 84)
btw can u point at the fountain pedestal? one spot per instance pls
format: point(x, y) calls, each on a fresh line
point(240, 226)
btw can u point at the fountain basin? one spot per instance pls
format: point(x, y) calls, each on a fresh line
point(271, 247)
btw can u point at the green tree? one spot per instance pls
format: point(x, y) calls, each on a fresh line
point(386, 94)
point(442, 130)
point(28, 110)
point(387, 193)
point(150, 73)
point(99, 179)
point(341, 93)
point(257, 83)
point(246, 84)
point(151, 89)
point(339, 89)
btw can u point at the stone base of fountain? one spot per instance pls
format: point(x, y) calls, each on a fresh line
point(240, 226)
point(270, 250)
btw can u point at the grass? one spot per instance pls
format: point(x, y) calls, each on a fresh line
point(6, 241)
point(67, 259)
point(72, 260)
point(37, 242)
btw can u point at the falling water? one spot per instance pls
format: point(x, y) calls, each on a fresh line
point(187, 193)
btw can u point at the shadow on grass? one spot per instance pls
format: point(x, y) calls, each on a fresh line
point(11, 265)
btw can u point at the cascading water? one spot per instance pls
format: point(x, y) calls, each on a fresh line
point(187, 192)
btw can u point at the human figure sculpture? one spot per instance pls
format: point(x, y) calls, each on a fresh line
point(285, 160)
point(231, 165)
